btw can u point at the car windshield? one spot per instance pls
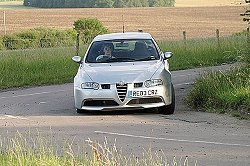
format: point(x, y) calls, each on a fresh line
point(122, 51)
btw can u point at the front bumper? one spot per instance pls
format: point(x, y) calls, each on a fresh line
point(124, 107)
point(89, 99)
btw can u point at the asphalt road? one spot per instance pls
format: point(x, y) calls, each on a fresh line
point(206, 138)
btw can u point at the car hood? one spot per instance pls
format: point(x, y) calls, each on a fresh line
point(126, 71)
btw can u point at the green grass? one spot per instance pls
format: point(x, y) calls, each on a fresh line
point(21, 68)
point(215, 92)
point(221, 92)
point(35, 67)
point(203, 52)
point(224, 93)
point(30, 150)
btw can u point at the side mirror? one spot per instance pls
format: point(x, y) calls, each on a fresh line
point(77, 59)
point(167, 55)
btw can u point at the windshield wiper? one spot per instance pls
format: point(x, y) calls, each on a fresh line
point(147, 58)
point(115, 59)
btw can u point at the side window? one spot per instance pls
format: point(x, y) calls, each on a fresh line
point(152, 50)
point(94, 52)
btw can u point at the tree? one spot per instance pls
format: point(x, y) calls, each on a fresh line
point(119, 3)
point(144, 3)
point(159, 3)
point(88, 28)
point(104, 3)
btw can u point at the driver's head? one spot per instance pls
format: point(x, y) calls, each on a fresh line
point(108, 48)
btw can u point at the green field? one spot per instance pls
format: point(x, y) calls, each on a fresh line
point(204, 52)
point(21, 68)
point(45, 66)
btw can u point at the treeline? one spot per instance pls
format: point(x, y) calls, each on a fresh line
point(97, 3)
point(9, 0)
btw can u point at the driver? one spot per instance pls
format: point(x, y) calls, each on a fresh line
point(107, 52)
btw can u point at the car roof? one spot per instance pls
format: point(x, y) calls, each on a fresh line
point(126, 35)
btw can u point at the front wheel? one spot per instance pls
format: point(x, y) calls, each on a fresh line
point(168, 109)
point(79, 111)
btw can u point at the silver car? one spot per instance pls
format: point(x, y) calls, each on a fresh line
point(123, 71)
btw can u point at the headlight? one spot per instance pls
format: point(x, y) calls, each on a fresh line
point(154, 82)
point(90, 85)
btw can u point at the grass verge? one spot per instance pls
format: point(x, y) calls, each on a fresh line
point(37, 150)
point(216, 92)
point(22, 68)
point(35, 67)
point(221, 92)
point(225, 92)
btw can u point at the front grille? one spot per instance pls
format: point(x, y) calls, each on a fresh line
point(122, 91)
point(100, 103)
point(145, 101)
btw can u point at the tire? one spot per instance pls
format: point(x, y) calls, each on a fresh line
point(79, 111)
point(168, 109)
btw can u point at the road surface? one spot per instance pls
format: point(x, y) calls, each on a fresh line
point(206, 138)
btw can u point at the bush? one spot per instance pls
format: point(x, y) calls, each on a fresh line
point(88, 28)
point(50, 37)
point(39, 37)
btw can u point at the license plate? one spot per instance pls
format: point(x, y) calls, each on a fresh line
point(142, 93)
